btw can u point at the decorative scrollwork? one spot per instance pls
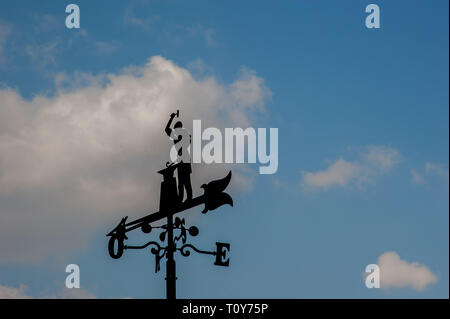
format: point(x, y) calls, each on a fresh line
point(183, 250)
point(154, 250)
point(180, 224)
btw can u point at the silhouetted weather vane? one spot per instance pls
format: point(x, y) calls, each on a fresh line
point(171, 203)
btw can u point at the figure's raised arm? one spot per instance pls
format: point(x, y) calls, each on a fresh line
point(168, 130)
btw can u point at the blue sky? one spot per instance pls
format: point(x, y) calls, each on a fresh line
point(363, 141)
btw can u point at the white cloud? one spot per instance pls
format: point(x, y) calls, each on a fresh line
point(13, 293)
point(105, 48)
point(65, 293)
point(46, 22)
point(382, 157)
point(146, 24)
point(421, 177)
point(208, 34)
point(340, 173)
point(43, 55)
point(250, 90)
point(436, 169)
point(416, 177)
point(200, 68)
point(375, 160)
point(398, 273)
point(80, 160)
point(74, 293)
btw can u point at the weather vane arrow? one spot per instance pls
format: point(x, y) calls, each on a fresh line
point(171, 203)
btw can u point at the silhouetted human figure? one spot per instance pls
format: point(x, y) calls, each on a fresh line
point(181, 139)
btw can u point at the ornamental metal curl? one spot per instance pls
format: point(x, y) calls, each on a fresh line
point(154, 250)
point(183, 250)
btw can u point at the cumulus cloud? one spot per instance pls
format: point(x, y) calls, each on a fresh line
point(13, 293)
point(206, 33)
point(416, 177)
point(105, 48)
point(45, 22)
point(381, 157)
point(398, 273)
point(373, 161)
point(77, 161)
point(200, 68)
point(74, 293)
point(66, 293)
point(420, 177)
point(249, 90)
point(340, 173)
point(436, 169)
point(43, 54)
point(147, 23)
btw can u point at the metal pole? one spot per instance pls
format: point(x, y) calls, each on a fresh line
point(170, 263)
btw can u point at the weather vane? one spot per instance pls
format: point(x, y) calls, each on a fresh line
point(171, 203)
